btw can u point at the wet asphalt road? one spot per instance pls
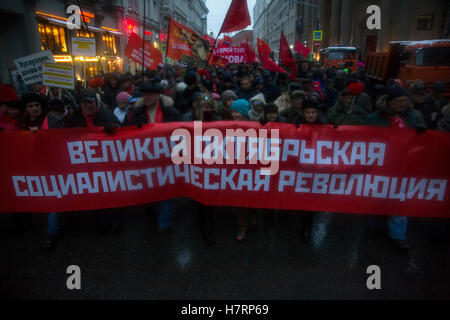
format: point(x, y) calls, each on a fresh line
point(272, 263)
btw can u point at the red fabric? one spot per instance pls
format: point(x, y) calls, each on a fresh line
point(218, 61)
point(134, 51)
point(158, 114)
point(45, 124)
point(287, 59)
point(210, 40)
point(263, 48)
point(8, 123)
point(180, 40)
point(304, 51)
point(397, 122)
point(228, 39)
point(356, 88)
point(231, 54)
point(407, 155)
point(237, 17)
point(270, 65)
point(89, 120)
point(251, 55)
point(7, 93)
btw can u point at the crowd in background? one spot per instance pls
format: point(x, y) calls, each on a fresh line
point(244, 92)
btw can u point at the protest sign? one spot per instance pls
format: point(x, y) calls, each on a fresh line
point(134, 51)
point(59, 76)
point(30, 67)
point(353, 169)
point(83, 47)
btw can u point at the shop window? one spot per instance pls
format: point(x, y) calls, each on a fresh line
point(425, 23)
point(109, 44)
point(85, 34)
point(52, 38)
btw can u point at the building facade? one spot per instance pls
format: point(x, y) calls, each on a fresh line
point(344, 22)
point(244, 36)
point(297, 20)
point(42, 25)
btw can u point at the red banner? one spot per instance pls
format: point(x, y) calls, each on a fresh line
point(183, 41)
point(352, 169)
point(232, 54)
point(134, 52)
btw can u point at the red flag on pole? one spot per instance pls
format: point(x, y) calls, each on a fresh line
point(237, 17)
point(304, 51)
point(263, 48)
point(152, 56)
point(287, 59)
point(251, 56)
point(270, 65)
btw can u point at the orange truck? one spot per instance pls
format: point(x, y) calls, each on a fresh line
point(345, 57)
point(410, 60)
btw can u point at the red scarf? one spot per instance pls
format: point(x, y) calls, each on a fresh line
point(90, 120)
point(158, 114)
point(397, 122)
point(45, 124)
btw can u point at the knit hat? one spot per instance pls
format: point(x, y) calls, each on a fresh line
point(32, 97)
point(396, 92)
point(227, 94)
point(179, 88)
point(89, 95)
point(298, 94)
point(259, 98)
point(7, 93)
point(316, 86)
point(227, 77)
point(123, 97)
point(310, 104)
point(241, 106)
point(356, 88)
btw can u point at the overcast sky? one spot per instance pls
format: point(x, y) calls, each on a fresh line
point(217, 11)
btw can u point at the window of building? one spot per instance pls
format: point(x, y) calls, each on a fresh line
point(52, 38)
point(425, 22)
point(109, 44)
point(85, 34)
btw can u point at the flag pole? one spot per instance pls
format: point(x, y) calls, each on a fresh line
point(215, 41)
point(143, 41)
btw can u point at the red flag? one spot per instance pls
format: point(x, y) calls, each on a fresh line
point(304, 51)
point(251, 56)
point(287, 59)
point(237, 17)
point(263, 48)
point(270, 65)
point(134, 52)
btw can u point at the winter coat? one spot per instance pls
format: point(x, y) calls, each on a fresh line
point(339, 116)
point(299, 121)
point(330, 97)
point(102, 118)
point(444, 123)
point(280, 119)
point(252, 114)
point(291, 113)
point(431, 111)
point(170, 113)
point(380, 118)
point(109, 96)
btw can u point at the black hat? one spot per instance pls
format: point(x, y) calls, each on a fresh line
point(31, 97)
point(151, 86)
point(310, 104)
point(56, 105)
point(439, 86)
point(190, 78)
point(89, 95)
point(346, 92)
point(396, 92)
point(270, 107)
point(293, 86)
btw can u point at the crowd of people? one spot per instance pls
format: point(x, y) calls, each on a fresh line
point(244, 92)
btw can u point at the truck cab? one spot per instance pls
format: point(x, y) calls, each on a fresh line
point(345, 57)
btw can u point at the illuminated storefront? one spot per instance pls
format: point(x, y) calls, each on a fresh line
point(55, 36)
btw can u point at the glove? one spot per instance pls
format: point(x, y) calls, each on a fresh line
point(420, 129)
point(335, 126)
point(109, 129)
